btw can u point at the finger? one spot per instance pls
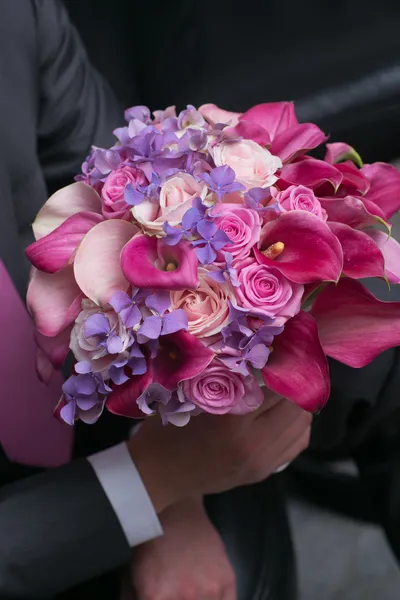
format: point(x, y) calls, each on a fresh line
point(293, 451)
point(229, 593)
point(279, 419)
point(270, 400)
point(279, 450)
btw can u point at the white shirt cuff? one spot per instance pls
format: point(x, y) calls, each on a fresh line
point(124, 489)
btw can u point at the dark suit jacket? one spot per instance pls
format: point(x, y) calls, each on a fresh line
point(57, 528)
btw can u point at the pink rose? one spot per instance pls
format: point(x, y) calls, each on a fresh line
point(218, 390)
point(242, 226)
point(254, 166)
point(114, 205)
point(299, 197)
point(110, 336)
point(206, 306)
point(265, 290)
point(176, 197)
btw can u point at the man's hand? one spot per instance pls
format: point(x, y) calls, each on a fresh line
point(216, 453)
point(188, 562)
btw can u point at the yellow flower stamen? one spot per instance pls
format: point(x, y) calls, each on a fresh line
point(170, 267)
point(274, 251)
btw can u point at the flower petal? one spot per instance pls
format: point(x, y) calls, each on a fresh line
point(181, 356)
point(66, 202)
point(353, 211)
point(311, 252)
point(361, 256)
point(52, 352)
point(385, 186)
point(353, 179)
point(140, 256)
point(54, 251)
point(390, 249)
point(53, 300)
point(354, 326)
point(123, 399)
point(252, 131)
point(297, 368)
point(339, 152)
point(311, 173)
point(251, 400)
point(97, 262)
point(274, 117)
point(296, 139)
point(214, 114)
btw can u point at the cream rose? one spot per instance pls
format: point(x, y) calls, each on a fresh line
point(207, 306)
point(176, 197)
point(254, 166)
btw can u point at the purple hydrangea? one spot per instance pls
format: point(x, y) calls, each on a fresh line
point(84, 397)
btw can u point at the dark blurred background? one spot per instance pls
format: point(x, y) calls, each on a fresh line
point(340, 62)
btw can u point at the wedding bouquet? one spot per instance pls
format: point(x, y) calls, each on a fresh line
point(206, 252)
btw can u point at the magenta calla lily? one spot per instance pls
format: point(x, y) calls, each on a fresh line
point(339, 151)
point(354, 326)
point(361, 256)
point(123, 399)
point(390, 249)
point(297, 139)
point(66, 202)
point(54, 251)
point(353, 182)
point(274, 117)
point(97, 261)
point(252, 131)
point(181, 357)
point(297, 369)
point(275, 125)
point(311, 173)
point(385, 187)
point(352, 211)
point(311, 251)
point(53, 300)
point(148, 262)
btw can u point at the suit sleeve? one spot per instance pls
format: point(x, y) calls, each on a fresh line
point(57, 530)
point(77, 107)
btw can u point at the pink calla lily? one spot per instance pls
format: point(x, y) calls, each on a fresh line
point(354, 326)
point(274, 117)
point(390, 249)
point(213, 114)
point(297, 139)
point(53, 300)
point(311, 173)
point(353, 211)
point(66, 202)
point(97, 266)
point(54, 251)
point(253, 131)
point(297, 369)
point(311, 253)
point(339, 152)
point(51, 353)
point(361, 256)
point(122, 400)
point(148, 262)
point(275, 124)
point(385, 187)
point(181, 357)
